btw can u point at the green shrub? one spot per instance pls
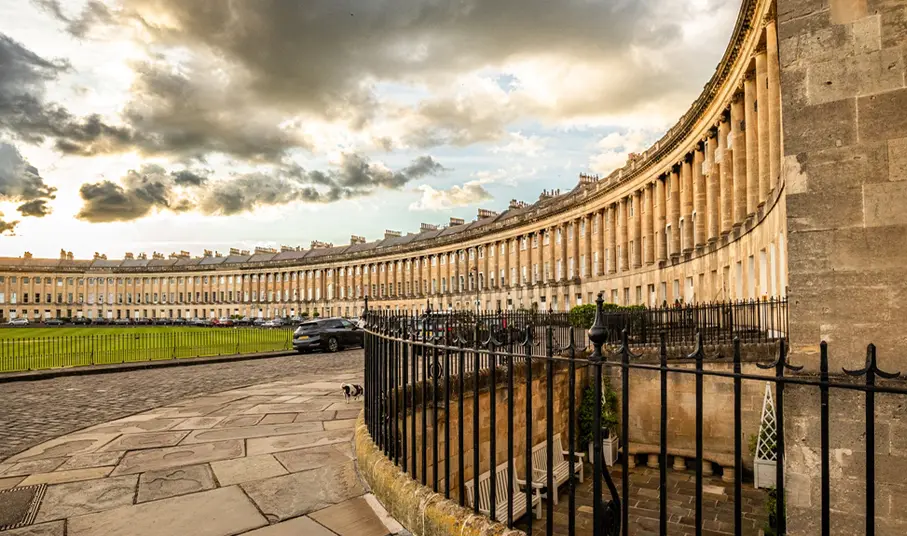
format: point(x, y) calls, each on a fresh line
point(587, 412)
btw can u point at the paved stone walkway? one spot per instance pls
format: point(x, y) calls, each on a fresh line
point(35, 411)
point(267, 460)
point(718, 505)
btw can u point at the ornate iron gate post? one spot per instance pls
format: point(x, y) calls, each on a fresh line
point(606, 514)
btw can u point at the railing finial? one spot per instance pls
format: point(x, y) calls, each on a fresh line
point(597, 332)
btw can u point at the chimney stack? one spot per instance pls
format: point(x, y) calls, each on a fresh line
point(428, 227)
point(456, 221)
point(391, 234)
point(485, 213)
point(355, 239)
point(128, 256)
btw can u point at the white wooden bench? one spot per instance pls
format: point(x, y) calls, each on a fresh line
point(519, 499)
point(561, 467)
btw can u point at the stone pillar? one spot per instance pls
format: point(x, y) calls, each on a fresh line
point(622, 225)
point(680, 463)
point(612, 238)
point(674, 211)
point(661, 245)
point(738, 196)
point(552, 253)
point(636, 228)
point(686, 202)
point(762, 112)
point(652, 461)
point(726, 186)
point(699, 227)
point(711, 201)
point(751, 133)
point(587, 243)
point(774, 103)
point(648, 249)
point(564, 240)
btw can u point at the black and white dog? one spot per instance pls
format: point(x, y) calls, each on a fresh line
point(351, 391)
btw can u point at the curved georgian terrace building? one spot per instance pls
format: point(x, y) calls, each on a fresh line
point(698, 216)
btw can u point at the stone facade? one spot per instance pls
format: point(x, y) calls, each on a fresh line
point(700, 215)
point(845, 165)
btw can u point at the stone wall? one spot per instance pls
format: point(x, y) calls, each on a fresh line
point(539, 422)
point(845, 166)
point(718, 406)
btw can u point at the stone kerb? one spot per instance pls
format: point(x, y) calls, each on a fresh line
point(416, 507)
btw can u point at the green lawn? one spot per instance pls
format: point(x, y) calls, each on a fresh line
point(45, 348)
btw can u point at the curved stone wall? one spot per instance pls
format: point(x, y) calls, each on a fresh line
point(698, 216)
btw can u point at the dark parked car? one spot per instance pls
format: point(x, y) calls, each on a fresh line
point(101, 321)
point(53, 322)
point(329, 334)
point(161, 322)
point(179, 322)
point(140, 321)
point(259, 322)
point(121, 322)
point(244, 321)
point(81, 321)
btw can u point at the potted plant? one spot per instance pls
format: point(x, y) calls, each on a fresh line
point(610, 439)
point(763, 446)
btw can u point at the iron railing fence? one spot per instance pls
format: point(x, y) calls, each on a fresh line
point(421, 386)
point(38, 353)
point(762, 320)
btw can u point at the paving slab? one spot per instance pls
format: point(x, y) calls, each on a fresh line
point(354, 517)
point(74, 475)
point(145, 440)
point(311, 458)
point(392, 524)
point(245, 432)
point(347, 414)
point(70, 445)
point(218, 512)
point(247, 469)
point(198, 423)
point(96, 459)
point(34, 466)
point(298, 526)
point(10, 482)
point(297, 494)
point(240, 421)
point(135, 427)
point(314, 416)
point(287, 408)
point(343, 424)
point(279, 418)
point(54, 528)
point(141, 461)
point(63, 501)
point(267, 445)
point(190, 411)
point(164, 483)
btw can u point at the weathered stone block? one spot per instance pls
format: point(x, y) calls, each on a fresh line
point(882, 117)
point(883, 204)
point(821, 126)
point(864, 74)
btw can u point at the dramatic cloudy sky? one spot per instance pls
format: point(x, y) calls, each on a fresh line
point(160, 125)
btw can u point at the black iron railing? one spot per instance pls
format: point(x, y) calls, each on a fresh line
point(431, 378)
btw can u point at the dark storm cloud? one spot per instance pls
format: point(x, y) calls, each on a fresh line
point(7, 227)
point(24, 113)
point(93, 13)
point(21, 182)
point(152, 188)
point(136, 196)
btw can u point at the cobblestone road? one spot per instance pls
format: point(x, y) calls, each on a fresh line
point(35, 411)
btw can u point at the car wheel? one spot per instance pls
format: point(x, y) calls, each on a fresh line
point(333, 345)
point(300, 351)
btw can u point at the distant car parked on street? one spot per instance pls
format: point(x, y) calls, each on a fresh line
point(179, 322)
point(53, 322)
point(223, 322)
point(81, 321)
point(18, 322)
point(331, 334)
point(121, 322)
point(273, 323)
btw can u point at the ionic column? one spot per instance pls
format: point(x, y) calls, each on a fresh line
point(726, 185)
point(774, 104)
point(686, 202)
point(738, 196)
point(552, 253)
point(646, 214)
point(587, 244)
point(674, 211)
point(636, 229)
point(622, 225)
point(575, 244)
point(661, 246)
point(602, 242)
point(564, 251)
point(711, 195)
point(699, 234)
point(751, 133)
point(612, 239)
point(762, 112)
